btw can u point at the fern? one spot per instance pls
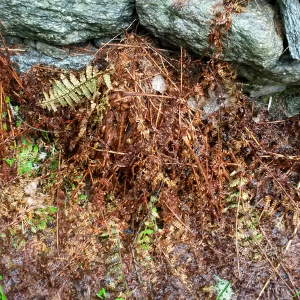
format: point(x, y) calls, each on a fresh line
point(27, 156)
point(71, 91)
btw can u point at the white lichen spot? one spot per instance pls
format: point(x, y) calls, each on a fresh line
point(159, 84)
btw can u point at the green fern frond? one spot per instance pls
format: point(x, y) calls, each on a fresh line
point(71, 91)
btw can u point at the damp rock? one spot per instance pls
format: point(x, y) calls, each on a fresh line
point(63, 22)
point(29, 42)
point(51, 50)
point(32, 58)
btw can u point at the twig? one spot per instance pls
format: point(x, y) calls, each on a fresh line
point(181, 69)
point(187, 143)
point(57, 205)
point(17, 50)
point(42, 130)
point(108, 151)
point(236, 230)
point(1, 96)
point(201, 200)
point(147, 95)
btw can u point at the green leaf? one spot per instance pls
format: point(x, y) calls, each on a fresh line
point(42, 225)
point(146, 239)
point(148, 231)
point(83, 197)
point(4, 126)
point(223, 291)
point(54, 164)
point(154, 212)
point(7, 100)
point(10, 161)
point(101, 293)
point(52, 209)
point(296, 294)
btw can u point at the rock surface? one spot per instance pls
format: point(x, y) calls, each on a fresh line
point(252, 38)
point(64, 22)
point(290, 11)
point(286, 71)
point(50, 50)
point(33, 58)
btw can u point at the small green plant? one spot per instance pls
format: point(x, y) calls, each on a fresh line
point(144, 237)
point(27, 156)
point(223, 289)
point(10, 161)
point(101, 294)
point(1, 291)
point(40, 219)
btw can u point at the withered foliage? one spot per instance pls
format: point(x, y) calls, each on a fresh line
point(167, 190)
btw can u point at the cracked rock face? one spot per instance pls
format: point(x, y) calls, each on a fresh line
point(63, 22)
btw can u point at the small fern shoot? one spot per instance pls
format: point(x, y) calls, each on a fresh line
point(71, 91)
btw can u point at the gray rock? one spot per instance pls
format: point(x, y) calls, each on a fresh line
point(293, 106)
point(285, 72)
point(11, 40)
point(30, 43)
point(290, 12)
point(252, 38)
point(51, 50)
point(32, 58)
point(255, 90)
point(64, 22)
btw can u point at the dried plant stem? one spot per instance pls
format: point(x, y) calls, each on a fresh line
point(147, 95)
point(160, 69)
point(1, 96)
point(187, 143)
point(236, 232)
point(108, 151)
point(11, 65)
point(57, 205)
point(181, 69)
point(16, 50)
point(201, 199)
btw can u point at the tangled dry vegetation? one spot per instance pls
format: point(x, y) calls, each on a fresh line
point(142, 193)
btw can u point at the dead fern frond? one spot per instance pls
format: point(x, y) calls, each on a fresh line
point(71, 91)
